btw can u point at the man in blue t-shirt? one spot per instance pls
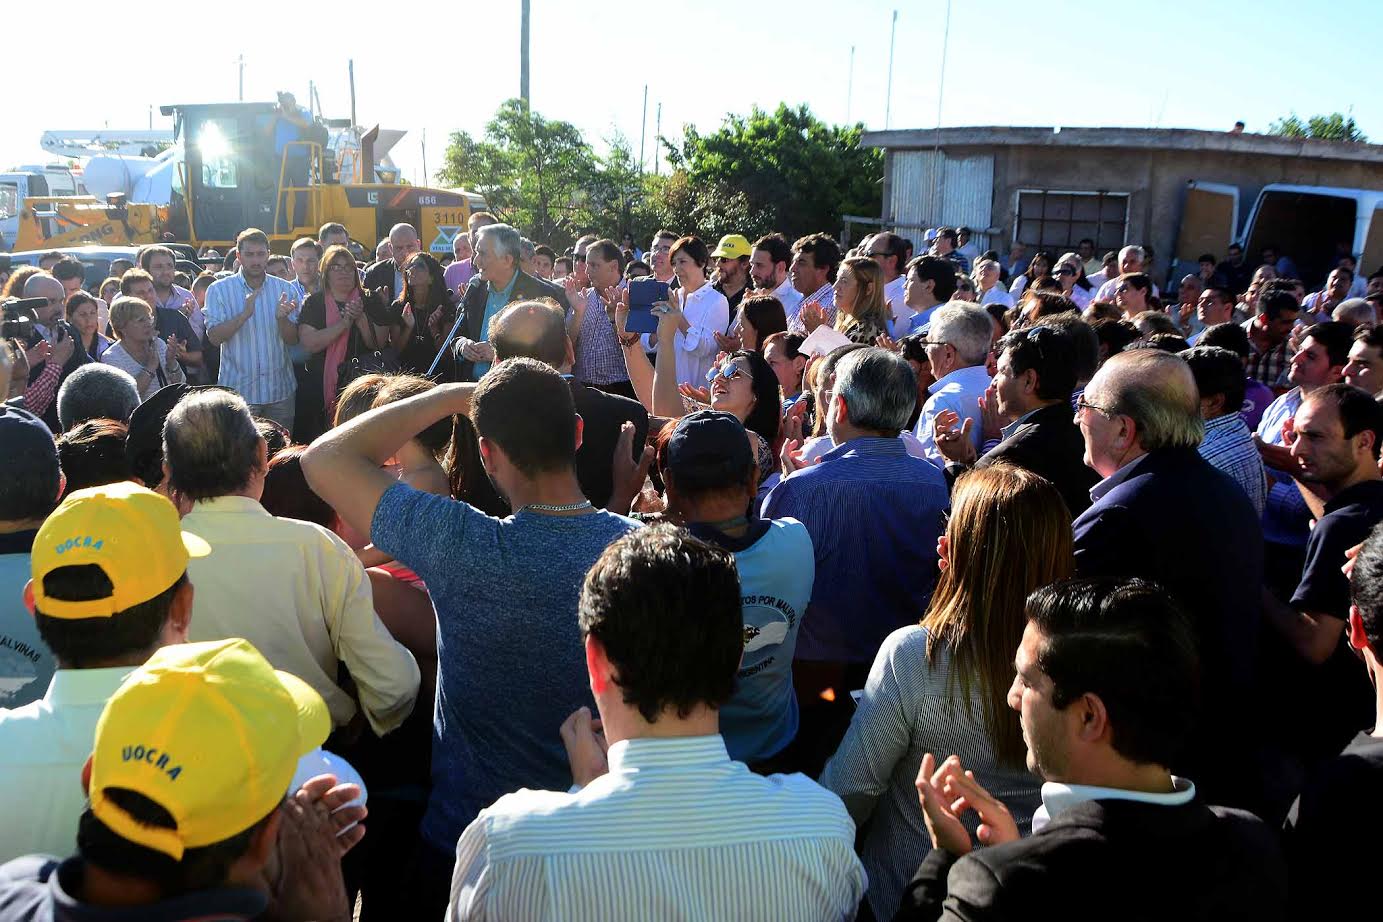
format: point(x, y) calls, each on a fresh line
point(511, 661)
point(711, 475)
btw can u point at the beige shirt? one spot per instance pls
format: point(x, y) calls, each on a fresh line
point(301, 596)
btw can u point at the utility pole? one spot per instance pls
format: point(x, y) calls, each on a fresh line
point(523, 50)
point(850, 85)
point(643, 127)
point(425, 182)
point(241, 61)
point(888, 94)
point(657, 138)
point(350, 69)
point(151, 118)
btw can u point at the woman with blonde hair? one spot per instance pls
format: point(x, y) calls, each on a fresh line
point(138, 350)
point(942, 686)
point(862, 314)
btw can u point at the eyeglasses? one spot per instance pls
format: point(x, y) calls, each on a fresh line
point(344, 267)
point(1066, 270)
point(877, 255)
point(933, 342)
point(1083, 404)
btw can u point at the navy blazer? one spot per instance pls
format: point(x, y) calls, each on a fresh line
point(1176, 520)
point(1049, 444)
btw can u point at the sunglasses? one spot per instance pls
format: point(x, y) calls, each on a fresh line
point(1066, 270)
point(729, 371)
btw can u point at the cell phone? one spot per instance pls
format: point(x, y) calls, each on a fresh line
point(643, 294)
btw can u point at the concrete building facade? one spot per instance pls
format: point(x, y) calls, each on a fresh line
point(1183, 192)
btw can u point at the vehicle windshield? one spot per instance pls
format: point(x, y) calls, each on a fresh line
point(9, 200)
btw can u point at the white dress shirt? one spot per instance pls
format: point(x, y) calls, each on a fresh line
point(707, 313)
point(893, 294)
point(790, 298)
point(674, 830)
point(1057, 798)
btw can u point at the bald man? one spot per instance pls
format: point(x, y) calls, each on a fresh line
point(65, 350)
point(1162, 512)
point(387, 273)
point(538, 330)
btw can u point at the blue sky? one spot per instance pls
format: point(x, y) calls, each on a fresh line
point(446, 66)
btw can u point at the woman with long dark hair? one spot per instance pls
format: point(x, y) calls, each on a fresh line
point(422, 317)
point(941, 686)
point(82, 313)
point(760, 317)
point(1039, 267)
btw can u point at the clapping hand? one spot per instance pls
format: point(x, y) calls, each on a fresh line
point(286, 305)
point(813, 315)
point(614, 298)
point(948, 791)
point(991, 423)
point(249, 307)
point(38, 353)
point(692, 392)
point(952, 437)
point(303, 878)
point(584, 739)
point(729, 342)
point(884, 341)
point(790, 457)
point(176, 350)
point(473, 351)
point(188, 305)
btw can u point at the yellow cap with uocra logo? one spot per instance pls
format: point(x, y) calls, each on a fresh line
point(212, 734)
point(132, 534)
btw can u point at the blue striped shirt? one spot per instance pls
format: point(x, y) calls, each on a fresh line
point(1228, 446)
point(255, 360)
point(674, 830)
point(1286, 518)
point(874, 514)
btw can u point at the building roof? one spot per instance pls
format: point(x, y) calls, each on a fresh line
point(1130, 138)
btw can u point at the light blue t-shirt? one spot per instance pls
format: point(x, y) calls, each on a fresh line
point(511, 662)
point(777, 567)
point(26, 663)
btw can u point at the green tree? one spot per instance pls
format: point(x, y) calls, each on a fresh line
point(795, 173)
point(1333, 127)
point(536, 174)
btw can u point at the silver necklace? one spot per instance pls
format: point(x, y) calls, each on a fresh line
point(546, 507)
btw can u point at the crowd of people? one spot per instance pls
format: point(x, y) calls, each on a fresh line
point(831, 583)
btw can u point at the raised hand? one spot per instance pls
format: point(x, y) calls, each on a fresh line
point(614, 298)
point(38, 353)
point(991, 423)
point(884, 341)
point(691, 392)
point(286, 305)
point(790, 457)
point(952, 437)
point(64, 349)
point(813, 315)
point(249, 307)
point(584, 739)
point(628, 474)
point(176, 350)
point(729, 343)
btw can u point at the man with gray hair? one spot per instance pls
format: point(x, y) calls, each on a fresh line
point(96, 391)
point(293, 589)
point(498, 252)
point(1130, 260)
point(959, 338)
point(387, 273)
point(874, 516)
point(1163, 513)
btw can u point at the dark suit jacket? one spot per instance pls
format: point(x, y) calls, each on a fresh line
point(1179, 522)
point(603, 414)
point(526, 288)
point(381, 275)
point(78, 359)
point(1050, 445)
point(1112, 859)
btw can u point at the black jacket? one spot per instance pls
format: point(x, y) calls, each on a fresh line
point(602, 415)
point(1179, 522)
point(1049, 444)
point(381, 275)
point(526, 288)
point(1112, 859)
point(77, 360)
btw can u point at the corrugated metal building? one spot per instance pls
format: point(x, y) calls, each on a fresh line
point(1180, 191)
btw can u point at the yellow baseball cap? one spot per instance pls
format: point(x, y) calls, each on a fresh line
point(131, 533)
point(211, 733)
point(733, 246)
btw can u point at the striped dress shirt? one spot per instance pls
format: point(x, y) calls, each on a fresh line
point(826, 297)
point(1228, 446)
point(674, 830)
point(255, 360)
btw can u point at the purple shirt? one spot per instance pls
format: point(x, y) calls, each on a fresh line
point(457, 275)
point(1257, 396)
